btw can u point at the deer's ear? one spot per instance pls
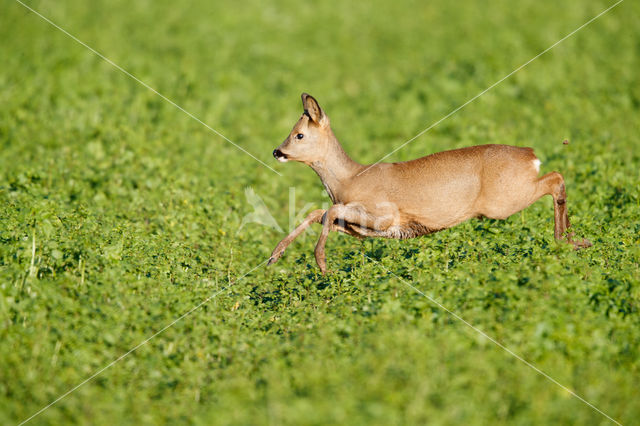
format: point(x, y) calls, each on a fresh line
point(313, 110)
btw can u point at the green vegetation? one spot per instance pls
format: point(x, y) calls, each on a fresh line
point(134, 210)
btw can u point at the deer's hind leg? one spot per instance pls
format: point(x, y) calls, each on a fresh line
point(553, 184)
point(313, 217)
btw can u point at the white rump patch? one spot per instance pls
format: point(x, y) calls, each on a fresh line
point(536, 164)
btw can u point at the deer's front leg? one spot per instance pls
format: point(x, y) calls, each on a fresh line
point(339, 215)
point(313, 217)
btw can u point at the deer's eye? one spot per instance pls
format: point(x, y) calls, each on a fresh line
point(299, 136)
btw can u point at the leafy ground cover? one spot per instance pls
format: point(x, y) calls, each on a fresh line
point(119, 213)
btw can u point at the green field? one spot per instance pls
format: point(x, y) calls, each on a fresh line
point(119, 213)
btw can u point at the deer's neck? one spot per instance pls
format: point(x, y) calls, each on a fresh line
point(335, 169)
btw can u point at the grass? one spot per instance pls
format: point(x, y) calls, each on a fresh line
point(119, 213)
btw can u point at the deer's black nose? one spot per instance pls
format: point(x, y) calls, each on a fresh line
point(278, 154)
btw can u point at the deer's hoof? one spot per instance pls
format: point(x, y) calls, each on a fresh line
point(274, 257)
point(579, 244)
point(323, 268)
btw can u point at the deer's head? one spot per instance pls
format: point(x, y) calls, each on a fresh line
point(311, 136)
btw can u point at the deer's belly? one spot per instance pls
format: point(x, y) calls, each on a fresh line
point(401, 232)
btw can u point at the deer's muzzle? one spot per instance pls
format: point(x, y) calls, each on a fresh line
point(280, 156)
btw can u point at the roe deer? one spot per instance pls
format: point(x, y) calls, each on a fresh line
point(418, 197)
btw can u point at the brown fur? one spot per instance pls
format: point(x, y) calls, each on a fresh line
point(417, 197)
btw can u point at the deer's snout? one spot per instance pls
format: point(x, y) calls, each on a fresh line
point(279, 155)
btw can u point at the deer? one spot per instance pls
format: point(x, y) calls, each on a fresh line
point(418, 197)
